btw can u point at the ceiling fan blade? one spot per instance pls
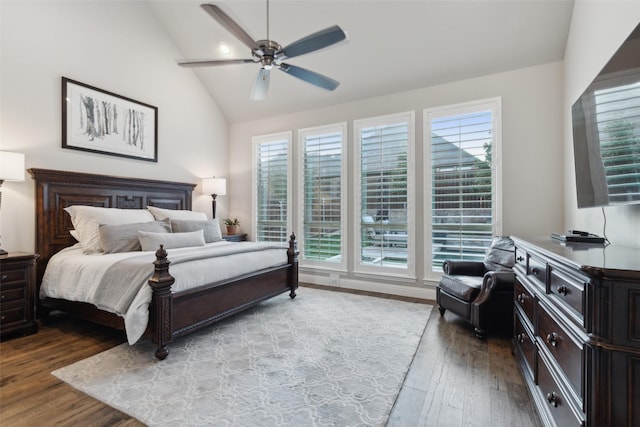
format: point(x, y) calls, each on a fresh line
point(310, 76)
point(261, 85)
point(208, 62)
point(313, 42)
point(232, 26)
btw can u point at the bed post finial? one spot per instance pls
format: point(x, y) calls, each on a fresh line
point(160, 283)
point(292, 257)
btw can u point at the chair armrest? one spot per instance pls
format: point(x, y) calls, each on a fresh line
point(498, 281)
point(493, 282)
point(463, 268)
point(493, 307)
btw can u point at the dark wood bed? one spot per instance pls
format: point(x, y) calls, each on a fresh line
point(171, 315)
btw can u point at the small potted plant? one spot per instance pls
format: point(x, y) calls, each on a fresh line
point(233, 225)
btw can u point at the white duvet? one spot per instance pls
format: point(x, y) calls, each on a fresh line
point(74, 276)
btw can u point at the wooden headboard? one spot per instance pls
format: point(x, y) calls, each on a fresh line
point(55, 190)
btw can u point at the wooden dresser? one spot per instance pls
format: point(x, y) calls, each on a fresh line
point(577, 331)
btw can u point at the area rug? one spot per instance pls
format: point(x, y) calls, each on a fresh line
point(323, 359)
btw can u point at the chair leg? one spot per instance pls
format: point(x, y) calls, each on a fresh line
point(441, 310)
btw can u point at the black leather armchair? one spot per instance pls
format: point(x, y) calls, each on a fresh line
point(481, 292)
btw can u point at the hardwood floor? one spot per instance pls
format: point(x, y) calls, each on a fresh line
point(455, 379)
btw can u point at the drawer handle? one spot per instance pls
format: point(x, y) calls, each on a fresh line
point(562, 290)
point(520, 258)
point(553, 399)
point(534, 271)
point(552, 339)
point(4, 277)
point(521, 298)
point(521, 338)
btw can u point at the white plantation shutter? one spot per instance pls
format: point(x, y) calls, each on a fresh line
point(384, 194)
point(272, 178)
point(462, 186)
point(322, 196)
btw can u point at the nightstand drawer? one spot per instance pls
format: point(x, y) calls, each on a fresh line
point(8, 276)
point(12, 294)
point(12, 315)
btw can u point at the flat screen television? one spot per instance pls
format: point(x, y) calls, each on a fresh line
point(606, 131)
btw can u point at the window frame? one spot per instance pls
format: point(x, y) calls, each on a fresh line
point(495, 106)
point(357, 266)
point(256, 141)
point(300, 200)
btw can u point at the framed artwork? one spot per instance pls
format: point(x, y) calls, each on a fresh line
point(102, 122)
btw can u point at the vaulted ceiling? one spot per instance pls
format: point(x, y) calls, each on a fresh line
point(393, 45)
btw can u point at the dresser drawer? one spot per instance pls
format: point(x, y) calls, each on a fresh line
point(521, 258)
point(567, 353)
point(557, 403)
point(537, 269)
point(524, 342)
point(525, 300)
point(568, 291)
point(8, 276)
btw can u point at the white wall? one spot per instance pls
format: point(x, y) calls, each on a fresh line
point(532, 129)
point(115, 46)
point(598, 28)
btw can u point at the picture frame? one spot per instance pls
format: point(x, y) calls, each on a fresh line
point(99, 121)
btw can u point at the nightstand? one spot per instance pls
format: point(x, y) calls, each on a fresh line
point(235, 237)
point(17, 294)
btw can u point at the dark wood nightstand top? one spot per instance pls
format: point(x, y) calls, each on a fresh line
point(235, 237)
point(17, 256)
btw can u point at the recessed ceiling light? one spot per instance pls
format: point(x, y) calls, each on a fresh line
point(225, 48)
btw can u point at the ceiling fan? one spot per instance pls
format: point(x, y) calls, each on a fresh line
point(268, 53)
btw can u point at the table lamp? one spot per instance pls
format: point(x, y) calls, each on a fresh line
point(11, 169)
point(215, 187)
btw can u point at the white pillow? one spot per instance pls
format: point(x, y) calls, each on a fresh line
point(211, 228)
point(124, 237)
point(162, 214)
point(151, 241)
point(87, 219)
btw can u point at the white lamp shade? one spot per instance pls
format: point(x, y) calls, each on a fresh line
point(216, 186)
point(11, 166)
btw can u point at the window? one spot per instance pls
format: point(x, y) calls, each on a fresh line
point(462, 148)
point(272, 187)
point(384, 240)
point(322, 194)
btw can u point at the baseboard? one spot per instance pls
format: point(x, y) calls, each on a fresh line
point(426, 293)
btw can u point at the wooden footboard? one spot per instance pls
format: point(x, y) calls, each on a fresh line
point(175, 314)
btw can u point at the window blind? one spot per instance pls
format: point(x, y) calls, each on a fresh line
point(322, 197)
point(462, 187)
point(272, 180)
point(383, 168)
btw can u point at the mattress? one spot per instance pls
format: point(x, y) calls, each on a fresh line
point(74, 276)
